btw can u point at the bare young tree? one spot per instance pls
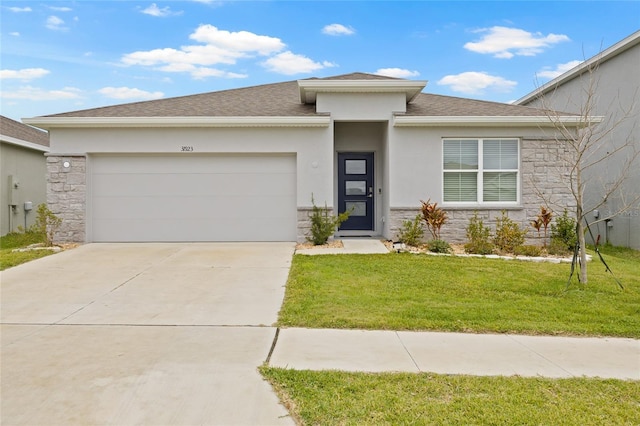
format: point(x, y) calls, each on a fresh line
point(589, 146)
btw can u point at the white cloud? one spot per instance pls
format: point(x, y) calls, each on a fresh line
point(129, 93)
point(23, 74)
point(241, 41)
point(20, 9)
point(219, 47)
point(504, 42)
point(38, 94)
point(474, 83)
point(289, 63)
point(203, 72)
point(55, 23)
point(397, 72)
point(15, 34)
point(60, 9)
point(560, 69)
point(337, 30)
point(160, 12)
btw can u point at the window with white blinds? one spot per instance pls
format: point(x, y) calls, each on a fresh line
point(480, 170)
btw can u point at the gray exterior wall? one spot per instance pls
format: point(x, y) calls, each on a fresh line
point(539, 162)
point(28, 167)
point(408, 161)
point(617, 97)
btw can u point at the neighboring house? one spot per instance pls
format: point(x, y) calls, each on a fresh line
point(22, 172)
point(243, 164)
point(615, 73)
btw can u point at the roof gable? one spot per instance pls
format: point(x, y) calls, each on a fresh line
point(21, 132)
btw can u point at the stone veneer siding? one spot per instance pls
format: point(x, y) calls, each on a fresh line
point(541, 178)
point(67, 196)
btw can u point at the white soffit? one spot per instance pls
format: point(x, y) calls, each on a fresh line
point(310, 88)
point(492, 121)
point(76, 122)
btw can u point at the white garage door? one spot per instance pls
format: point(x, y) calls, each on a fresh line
point(193, 198)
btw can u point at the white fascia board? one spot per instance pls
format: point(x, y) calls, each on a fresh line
point(492, 121)
point(579, 69)
point(78, 122)
point(310, 88)
point(24, 144)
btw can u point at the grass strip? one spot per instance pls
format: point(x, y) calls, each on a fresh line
point(340, 398)
point(421, 292)
point(9, 242)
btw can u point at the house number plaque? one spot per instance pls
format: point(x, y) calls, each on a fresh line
point(186, 148)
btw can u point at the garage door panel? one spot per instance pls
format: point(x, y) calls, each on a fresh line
point(190, 198)
point(219, 163)
point(193, 230)
point(189, 207)
point(112, 185)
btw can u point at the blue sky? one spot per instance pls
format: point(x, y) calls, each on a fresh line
point(59, 56)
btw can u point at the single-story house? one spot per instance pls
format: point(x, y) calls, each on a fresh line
point(244, 164)
point(22, 173)
point(615, 91)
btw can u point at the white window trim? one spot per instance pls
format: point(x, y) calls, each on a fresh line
point(480, 176)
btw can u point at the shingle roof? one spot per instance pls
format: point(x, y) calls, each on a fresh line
point(426, 104)
point(17, 130)
point(283, 99)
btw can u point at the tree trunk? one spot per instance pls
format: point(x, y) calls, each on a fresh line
point(583, 253)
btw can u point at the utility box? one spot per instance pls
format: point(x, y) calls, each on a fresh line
point(28, 206)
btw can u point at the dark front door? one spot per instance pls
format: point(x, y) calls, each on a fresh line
point(355, 190)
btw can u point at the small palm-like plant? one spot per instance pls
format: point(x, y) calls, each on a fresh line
point(434, 216)
point(543, 220)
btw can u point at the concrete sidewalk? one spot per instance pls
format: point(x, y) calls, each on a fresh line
point(350, 246)
point(457, 353)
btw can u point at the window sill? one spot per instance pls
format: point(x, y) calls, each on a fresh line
point(497, 207)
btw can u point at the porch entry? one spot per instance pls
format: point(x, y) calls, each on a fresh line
point(355, 190)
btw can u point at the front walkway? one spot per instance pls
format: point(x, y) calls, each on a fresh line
point(350, 246)
point(457, 353)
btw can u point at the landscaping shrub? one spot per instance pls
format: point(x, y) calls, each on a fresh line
point(563, 235)
point(411, 232)
point(478, 237)
point(439, 246)
point(509, 235)
point(434, 216)
point(323, 223)
point(542, 221)
point(533, 251)
point(46, 224)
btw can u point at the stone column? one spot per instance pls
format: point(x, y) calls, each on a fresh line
point(67, 195)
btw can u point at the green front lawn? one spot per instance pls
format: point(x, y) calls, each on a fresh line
point(421, 292)
point(15, 240)
point(338, 398)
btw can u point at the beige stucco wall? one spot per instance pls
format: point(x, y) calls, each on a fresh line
point(29, 169)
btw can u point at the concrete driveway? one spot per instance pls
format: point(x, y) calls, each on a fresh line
point(155, 334)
